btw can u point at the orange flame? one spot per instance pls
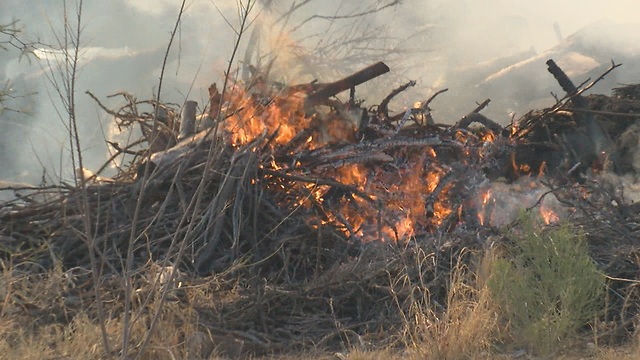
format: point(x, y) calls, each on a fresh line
point(488, 136)
point(485, 197)
point(252, 119)
point(377, 202)
point(548, 215)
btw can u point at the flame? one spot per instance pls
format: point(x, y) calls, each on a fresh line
point(542, 170)
point(484, 198)
point(281, 116)
point(548, 215)
point(402, 195)
point(514, 128)
point(488, 136)
point(525, 168)
point(391, 202)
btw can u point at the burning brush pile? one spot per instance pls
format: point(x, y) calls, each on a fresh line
point(316, 203)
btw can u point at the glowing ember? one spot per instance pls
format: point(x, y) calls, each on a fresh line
point(488, 136)
point(543, 168)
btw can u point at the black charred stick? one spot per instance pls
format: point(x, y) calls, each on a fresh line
point(325, 91)
point(602, 144)
point(425, 104)
point(481, 106)
point(481, 119)
point(565, 83)
point(475, 116)
point(383, 109)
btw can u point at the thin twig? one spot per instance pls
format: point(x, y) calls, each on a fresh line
point(133, 235)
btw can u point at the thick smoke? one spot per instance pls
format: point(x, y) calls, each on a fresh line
point(439, 43)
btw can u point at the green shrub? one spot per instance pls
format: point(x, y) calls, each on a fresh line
point(546, 285)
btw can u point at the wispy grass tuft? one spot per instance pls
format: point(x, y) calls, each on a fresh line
point(462, 328)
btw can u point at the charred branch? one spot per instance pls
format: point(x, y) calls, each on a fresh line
point(325, 91)
point(383, 108)
point(475, 117)
point(601, 142)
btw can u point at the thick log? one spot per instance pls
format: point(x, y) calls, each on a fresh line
point(325, 91)
point(188, 119)
point(158, 139)
point(181, 149)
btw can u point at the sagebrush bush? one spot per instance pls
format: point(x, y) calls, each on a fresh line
point(547, 285)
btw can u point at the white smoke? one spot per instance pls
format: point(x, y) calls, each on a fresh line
point(125, 40)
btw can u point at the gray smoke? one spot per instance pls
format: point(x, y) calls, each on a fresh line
point(439, 43)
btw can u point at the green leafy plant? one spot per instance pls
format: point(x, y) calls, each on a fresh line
point(547, 285)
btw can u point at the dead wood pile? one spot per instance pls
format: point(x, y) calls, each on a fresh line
point(332, 222)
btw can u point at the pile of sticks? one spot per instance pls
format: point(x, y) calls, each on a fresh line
point(285, 210)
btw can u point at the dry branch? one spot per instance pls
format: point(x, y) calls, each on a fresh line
point(325, 91)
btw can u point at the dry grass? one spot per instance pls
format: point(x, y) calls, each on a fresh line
point(467, 327)
point(46, 316)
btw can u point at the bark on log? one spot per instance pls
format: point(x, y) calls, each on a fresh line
point(157, 139)
point(188, 119)
point(325, 91)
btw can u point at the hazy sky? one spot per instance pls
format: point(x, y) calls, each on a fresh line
point(526, 21)
point(126, 39)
